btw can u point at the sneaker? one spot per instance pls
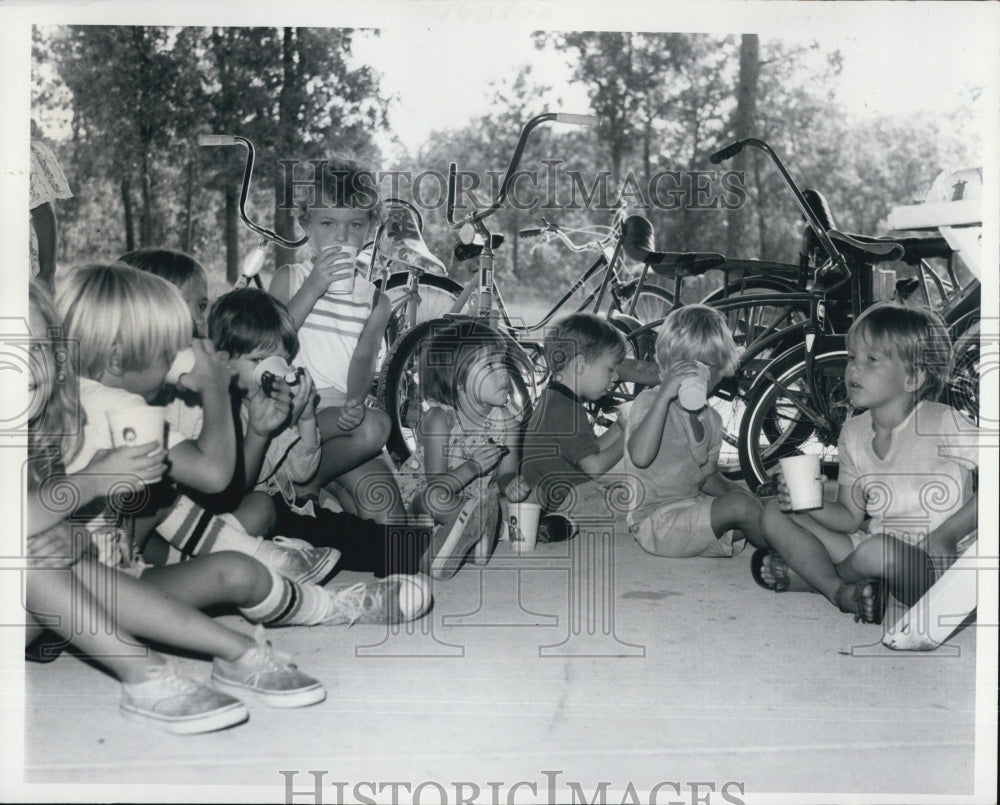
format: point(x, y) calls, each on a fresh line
point(297, 559)
point(454, 539)
point(390, 600)
point(176, 703)
point(262, 672)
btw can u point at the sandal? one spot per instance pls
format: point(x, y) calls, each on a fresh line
point(877, 597)
point(779, 585)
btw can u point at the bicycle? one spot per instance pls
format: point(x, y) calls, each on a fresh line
point(399, 392)
point(798, 401)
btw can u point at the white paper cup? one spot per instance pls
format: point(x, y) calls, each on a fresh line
point(805, 488)
point(522, 526)
point(139, 424)
point(346, 285)
point(183, 363)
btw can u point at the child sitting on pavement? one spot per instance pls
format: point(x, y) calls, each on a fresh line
point(904, 444)
point(561, 449)
point(683, 506)
point(341, 318)
point(279, 444)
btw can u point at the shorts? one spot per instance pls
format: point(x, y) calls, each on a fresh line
point(684, 529)
point(330, 398)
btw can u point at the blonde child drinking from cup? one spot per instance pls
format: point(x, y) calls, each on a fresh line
point(341, 319)
point(684, 507)
point(904, 445)
point(129, 326)
point(65, 590)
point(466, 452)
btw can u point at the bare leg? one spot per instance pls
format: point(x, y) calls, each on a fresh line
point(225, 577)
point(345, 450)
point(810, 549)
point(738, 510)
point(256, 514)
point(374, 491)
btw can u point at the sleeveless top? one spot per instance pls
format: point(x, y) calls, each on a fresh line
point(330, 333)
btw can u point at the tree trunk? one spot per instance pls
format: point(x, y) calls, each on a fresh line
point(126, 190)
point(232, 234)
point(284, 224)
point(744, 119)
point(148, 216)
point(188, 239)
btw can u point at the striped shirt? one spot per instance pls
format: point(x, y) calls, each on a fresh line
point(330, 333)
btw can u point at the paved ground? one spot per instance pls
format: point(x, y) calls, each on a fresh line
point(591, 659)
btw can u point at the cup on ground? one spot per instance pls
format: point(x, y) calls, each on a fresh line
point(345, 285)
point(138, 424)
point(805, 488)
point(522, 525)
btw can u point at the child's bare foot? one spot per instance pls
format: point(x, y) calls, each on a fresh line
point(772, 572)
point(865, 600)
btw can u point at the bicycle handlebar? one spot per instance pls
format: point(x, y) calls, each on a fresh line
point(478, 216)
point(235, 139)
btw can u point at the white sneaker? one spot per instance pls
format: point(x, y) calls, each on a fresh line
point(390, 600)
point(262, 672)
point(176, 703)
point(297, 559)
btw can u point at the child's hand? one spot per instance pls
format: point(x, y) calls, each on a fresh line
point(210, 368)
point(517, 490)
point(784, 497)
point(678, 373)
point(486, 458)
point(141, 464)
point(303, 398)
point(331, 265)
point(268, 412)
point(351, 415)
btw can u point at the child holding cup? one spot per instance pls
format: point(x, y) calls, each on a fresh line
point(341, 319)
point(684, 507)
point(904, 446)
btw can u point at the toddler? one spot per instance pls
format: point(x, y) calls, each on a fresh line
point(683, 506)
point(466, 451)
point(561, 450)
point(902, 447)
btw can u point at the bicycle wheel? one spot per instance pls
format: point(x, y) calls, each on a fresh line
point(755, 325)
point(437, 297)
point(783, 418)
point(963, 387)
point(653, 303)
point(399, 392)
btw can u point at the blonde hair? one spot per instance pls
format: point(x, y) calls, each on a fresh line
point(916, 336)
point(112, 305)
point(697, 333)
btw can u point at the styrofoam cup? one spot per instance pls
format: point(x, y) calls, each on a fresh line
point(139, 424)
point(183, 363)
point(522, 525)
point(805, 488)
point(346, 285)
point(693, 393)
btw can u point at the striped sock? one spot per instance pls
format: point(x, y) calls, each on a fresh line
point(193, 531)
point(290, 604)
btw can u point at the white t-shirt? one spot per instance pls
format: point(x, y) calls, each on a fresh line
point(924, 478)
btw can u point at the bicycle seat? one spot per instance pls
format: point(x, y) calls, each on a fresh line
point(401, 242)
point(468, 251)
point(866, 249)
point(637, 241)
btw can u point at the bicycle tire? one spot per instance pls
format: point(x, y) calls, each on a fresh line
point(653, 303)
point(399, 385)
point(774, 426)
point(963, 386)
